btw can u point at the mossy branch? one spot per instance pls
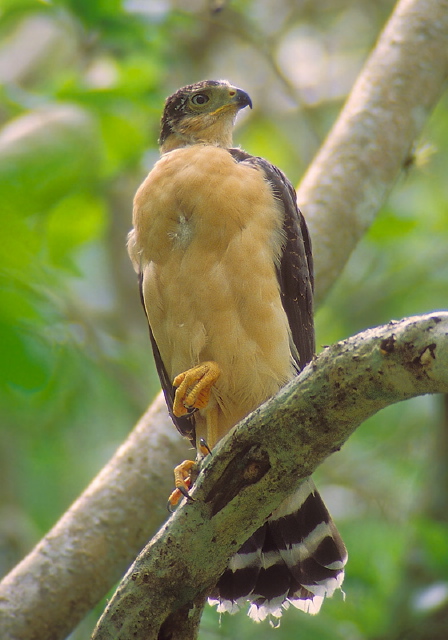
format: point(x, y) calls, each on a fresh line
point(263, 459)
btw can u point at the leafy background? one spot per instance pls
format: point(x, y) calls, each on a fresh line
point(82, 88)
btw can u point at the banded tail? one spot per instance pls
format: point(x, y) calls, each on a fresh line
point(296, 557)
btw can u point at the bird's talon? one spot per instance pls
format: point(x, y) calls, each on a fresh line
point(185, 493)
point(190, 410)
point(179, 492)
point(182, 482)
point(204, 445)
point(194, 388)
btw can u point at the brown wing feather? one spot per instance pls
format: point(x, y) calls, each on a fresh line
point(295, 271)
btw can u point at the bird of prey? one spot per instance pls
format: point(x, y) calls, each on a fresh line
point(224, 261)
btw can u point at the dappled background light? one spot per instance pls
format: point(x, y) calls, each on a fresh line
point(82, 86)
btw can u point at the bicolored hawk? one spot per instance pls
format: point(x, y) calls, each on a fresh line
point(226, 278)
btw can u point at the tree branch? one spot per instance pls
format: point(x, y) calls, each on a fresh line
point(339, 197)
point(97, 538)
point(263, 459)
point(362, 157)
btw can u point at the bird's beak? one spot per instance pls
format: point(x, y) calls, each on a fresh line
point(241, 98)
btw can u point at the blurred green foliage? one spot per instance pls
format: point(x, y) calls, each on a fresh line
point(82, 85)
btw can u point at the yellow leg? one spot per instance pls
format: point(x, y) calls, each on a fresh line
point(194, 387)
point(193, 392)
point(211, 424)
point(182, 479)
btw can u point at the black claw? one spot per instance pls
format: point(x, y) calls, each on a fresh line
point(203, 443)
point(185, 493)
point(190, 410)
point(170, 507)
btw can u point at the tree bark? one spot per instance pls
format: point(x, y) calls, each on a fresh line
point(264, 458)
point(88, 550)
point(93, 543)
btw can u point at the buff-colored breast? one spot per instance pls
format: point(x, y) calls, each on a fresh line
point(207, 235)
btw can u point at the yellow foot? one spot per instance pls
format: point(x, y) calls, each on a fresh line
point(194, 387)
point(182, 482)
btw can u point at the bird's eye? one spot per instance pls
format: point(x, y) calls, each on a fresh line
point(200, 99)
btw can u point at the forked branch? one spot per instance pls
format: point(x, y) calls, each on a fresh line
point(86, 551)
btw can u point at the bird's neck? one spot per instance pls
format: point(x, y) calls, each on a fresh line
point(217, 134)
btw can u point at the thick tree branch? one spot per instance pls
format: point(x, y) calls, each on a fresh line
point(97, 538)
point(339, 197)
point(265, 457)
point(364, 153)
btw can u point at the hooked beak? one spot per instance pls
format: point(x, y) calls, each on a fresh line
point(242, 99)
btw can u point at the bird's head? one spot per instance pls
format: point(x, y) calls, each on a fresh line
point(201, 113)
